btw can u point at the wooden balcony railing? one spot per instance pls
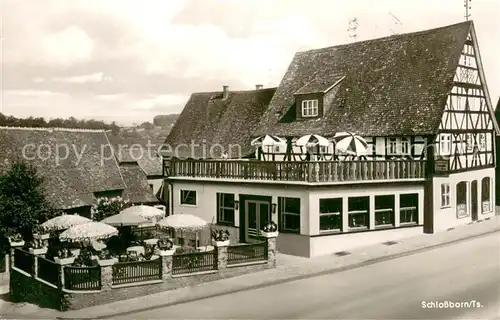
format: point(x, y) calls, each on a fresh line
point(313, 171)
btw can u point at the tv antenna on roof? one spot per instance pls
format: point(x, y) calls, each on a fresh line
point(467, 6)
point(353, 26)
point(397, 22)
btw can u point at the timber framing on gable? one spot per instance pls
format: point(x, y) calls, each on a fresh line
point(468, 126)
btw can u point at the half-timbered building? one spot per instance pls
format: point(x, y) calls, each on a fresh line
point(421, 102)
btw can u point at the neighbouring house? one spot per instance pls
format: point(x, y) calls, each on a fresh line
point(77, 165)
point(421, 102)
point(497, 145)
point(147, 154)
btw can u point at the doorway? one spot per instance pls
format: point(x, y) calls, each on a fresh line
point(257, 215)
point(473, 199)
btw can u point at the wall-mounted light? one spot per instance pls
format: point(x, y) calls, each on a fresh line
point(236, 205)
point(273, 208)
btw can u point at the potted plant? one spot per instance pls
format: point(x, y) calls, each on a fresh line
point(106, 259)
point(270, 229)
point(65, 257)
point(220, 237)
point(83, 259)
point(15, 239)
point(165, 246)
point(37, 247)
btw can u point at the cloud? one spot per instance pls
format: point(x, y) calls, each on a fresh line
point(69, 46)
point(94, 77)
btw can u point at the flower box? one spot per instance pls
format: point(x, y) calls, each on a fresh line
point(44, 236)
point(64, 261)
point(14, 243)
point(107, 262)
point(220, 243)
point(269, 234)
point(163, 253)
point(38, 251)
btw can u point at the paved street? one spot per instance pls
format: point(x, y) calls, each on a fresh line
point(394, 289)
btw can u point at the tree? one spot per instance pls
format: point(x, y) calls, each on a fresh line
point(107, 207)
point(23, 206)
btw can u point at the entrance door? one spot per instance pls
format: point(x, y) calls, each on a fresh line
point(257, 215)
point(473, 201)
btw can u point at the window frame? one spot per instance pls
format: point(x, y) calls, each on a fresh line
point(405, 146)
point(467, 211)
point(444, 140)
point(181, 201)
point(310, 108)
point(445, 195)
point(413, 207)
point(282, 214)
point(327, 214)
point(393, 146)
point(365, 212)
point(490, 196)
point(221, 209)
point(385, 210)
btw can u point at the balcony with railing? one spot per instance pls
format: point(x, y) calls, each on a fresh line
point(298, 171)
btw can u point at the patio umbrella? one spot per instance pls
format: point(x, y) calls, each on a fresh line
point(350, 143)
point(312, 140)
point(268, 141)
point(89, 231)
point(125, 218)
point(146, 212)
point(183, 222)
point(63, 222)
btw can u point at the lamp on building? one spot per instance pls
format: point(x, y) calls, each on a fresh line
point(236, 205)
point(273, 208)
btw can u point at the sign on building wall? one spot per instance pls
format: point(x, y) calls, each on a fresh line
point(442, 166)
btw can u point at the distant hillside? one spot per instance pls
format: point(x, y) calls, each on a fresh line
point(158, 130)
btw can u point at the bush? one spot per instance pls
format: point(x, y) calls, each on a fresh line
point(107, 207)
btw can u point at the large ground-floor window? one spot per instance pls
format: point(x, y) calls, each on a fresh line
point(408, 208)
point(289, 215)
point(461, 197)
point(384, 211)
point(358, 208)
point(330, 214)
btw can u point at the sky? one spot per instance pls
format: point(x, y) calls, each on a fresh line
point(127, 61)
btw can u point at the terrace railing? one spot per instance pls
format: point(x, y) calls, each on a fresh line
point(194, 262)
point(310, 171)
point(247, 253)
point(82, 278)
point(139, 271)
point(48, 270)
point(24, 260)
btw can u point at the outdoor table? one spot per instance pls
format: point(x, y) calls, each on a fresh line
point(205, 248)
point(151, 241)
point(154, 257)
point(136, 249)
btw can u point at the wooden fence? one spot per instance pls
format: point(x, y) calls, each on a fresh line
point(194, 262)
point(24, 261)
point(246, 253)
point(82, 278)
point(48, 270)
point(130, 272)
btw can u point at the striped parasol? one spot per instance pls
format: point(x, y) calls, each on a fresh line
point(144, 211)
point(350, 143)
point(183, 222)
point(268, 141)
point(89, 231)
point(312, 140)
point(63, 222)
point(123, 219)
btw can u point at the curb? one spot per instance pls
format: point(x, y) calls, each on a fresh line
point(293, 278)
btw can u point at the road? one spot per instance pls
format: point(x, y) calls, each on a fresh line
point(395, 289)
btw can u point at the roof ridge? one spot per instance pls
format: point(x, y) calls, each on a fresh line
point(50, 129)
point(319, 50)
point(236, 91)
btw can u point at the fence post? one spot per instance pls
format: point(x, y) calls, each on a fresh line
point(107, 275)
point(13, 247)
point(221, 250)
point(271, 247)
point(60, 280)
point(166, 263)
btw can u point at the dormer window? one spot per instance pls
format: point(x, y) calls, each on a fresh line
point(309, 108)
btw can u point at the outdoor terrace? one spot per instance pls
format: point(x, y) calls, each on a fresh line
point(299, 171)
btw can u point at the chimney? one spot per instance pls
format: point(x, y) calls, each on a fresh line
point(225, 92)
point(258, 86)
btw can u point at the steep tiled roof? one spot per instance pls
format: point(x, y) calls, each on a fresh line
point(393, 85)
point(148, 159)
point(210, 121)
point(75, 163)
point(138, 190)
